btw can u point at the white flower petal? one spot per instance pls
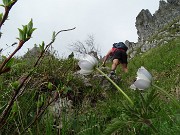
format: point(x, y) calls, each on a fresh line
point(133, 87)
point(91, 59)
point(85, 72)
point(145, 73)
point(85, 65)
point(142, 84)
point(142, 76)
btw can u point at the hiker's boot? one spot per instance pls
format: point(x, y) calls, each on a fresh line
point(112, 73)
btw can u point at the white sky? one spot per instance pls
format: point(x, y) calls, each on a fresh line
point(108, 21)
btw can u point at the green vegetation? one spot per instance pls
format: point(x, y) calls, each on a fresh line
point(163, 62)
point(93, 113)
point(41, 94)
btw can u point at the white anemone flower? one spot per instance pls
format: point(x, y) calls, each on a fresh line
point(143, 79)
point(87, 64)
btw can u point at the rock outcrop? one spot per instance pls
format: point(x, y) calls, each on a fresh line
point(35, 52)
point(156, 29)
point(148, 24)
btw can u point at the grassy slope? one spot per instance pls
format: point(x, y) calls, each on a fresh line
point(163, 63)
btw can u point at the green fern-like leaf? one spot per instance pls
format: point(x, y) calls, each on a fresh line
point(116, 124)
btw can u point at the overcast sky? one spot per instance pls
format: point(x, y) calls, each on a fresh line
point(108, 21)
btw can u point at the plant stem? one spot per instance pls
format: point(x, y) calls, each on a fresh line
point(116, 86)
point(168, 95)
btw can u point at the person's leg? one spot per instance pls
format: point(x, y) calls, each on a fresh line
point(124, 67)
point(114, 64)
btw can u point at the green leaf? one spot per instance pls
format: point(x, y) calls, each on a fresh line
point(24, 36)
point(42, 99)
point(30, 25)
point(15, 107)
point(11, 2)
point(20, 34)
point(30, 132)
point(53, 36)
point(18, 39)
point(66, 89)
point(15, 84)
point(50, 86)
point(1, 16)
point(42, 46)
point(25, 28)
point(40, 102)
point(25, 33)
point(4, 57)
point(6, 2)
point(116, 124)
point(69, 77)
point(151, 97)
point(2, 5)
point(30, 32)
point(10, 62)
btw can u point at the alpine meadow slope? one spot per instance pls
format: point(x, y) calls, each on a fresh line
point(45, 95)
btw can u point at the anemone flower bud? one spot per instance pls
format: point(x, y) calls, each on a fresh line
point(87, 64)
point(143, 79)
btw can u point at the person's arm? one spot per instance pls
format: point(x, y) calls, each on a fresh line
point(106, 57)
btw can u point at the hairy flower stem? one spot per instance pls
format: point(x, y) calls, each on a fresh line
point(109, 79)
point(168, 95)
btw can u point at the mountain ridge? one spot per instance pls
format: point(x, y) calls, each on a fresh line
point(156, 29)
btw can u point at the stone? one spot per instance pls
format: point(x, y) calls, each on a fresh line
point(156, 29)
point(147, 24)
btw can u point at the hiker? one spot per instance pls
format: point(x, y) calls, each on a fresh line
point(119, 56)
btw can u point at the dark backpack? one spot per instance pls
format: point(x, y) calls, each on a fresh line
point(120, 45)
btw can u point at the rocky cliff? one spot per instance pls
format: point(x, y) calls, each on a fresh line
point(156, 29)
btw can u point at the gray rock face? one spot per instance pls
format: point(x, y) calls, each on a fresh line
point(156, 29)
point(143, 24)
point(148, 24)
point(175, 2)
point(35, 52)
